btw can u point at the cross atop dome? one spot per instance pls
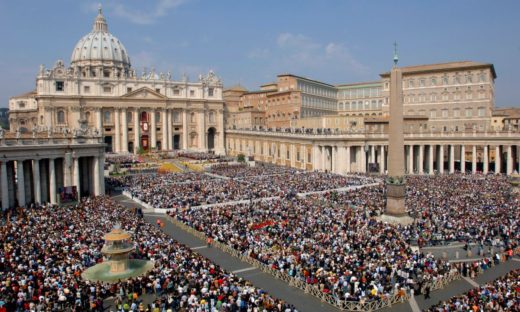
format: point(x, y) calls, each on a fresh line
point(100, 24)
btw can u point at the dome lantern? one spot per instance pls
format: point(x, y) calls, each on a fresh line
point(100, 24)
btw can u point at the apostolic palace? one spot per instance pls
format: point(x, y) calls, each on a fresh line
point(98, 103)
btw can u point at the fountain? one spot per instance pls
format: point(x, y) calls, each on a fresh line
point(117, 248)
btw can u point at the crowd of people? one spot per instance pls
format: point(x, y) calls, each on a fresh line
point(244, 170)
point(327, 241)
point(500, 295)
point(45, 249)
point(195, 189)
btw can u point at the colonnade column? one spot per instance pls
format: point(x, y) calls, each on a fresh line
point(153, 122)
point(421, 159)
point(441, 159)
point(36, 181)
point(363, 158)
point(97, 182)
point(221, 143)
point(20, 183)
point(52, 181)
point(124, 141)
point(452, 158)
point(509, 156)
point(137, 131)
point(372, 154)
point(185, 129)
point(431, 150)
point(498, 161)
point(117, 124)
point(382, 159)
point(410, 159)
point(102, 174)
point(76, 176)
point(315, 157)
point(486, 160)
point(4, 186)
point(474, 159)
point(164, 128)
point(462, 158)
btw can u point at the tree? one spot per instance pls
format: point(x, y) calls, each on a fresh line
point(241, 158)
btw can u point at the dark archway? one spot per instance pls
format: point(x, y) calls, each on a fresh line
point(176, 141)
point(211, 138)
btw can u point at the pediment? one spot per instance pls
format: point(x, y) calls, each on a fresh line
point(144, 93)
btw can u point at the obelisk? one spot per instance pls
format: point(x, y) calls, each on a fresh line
point(396, 184)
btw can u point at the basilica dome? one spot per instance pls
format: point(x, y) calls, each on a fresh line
point(99, 47)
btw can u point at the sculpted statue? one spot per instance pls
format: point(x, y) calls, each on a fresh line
point(2, 132)
point(42, 69)
point(169, 75)
point(34, 130)
point(18, 133)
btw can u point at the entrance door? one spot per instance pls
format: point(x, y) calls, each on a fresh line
point(145, 142)
point(108, 142)
point(211, 138)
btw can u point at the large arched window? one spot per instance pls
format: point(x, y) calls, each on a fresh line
point(61, 117)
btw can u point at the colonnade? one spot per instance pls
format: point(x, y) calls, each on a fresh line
point(419, 158)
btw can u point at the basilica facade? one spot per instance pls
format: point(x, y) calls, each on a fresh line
point(131, 111)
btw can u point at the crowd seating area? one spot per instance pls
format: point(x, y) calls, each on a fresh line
point(45, 249)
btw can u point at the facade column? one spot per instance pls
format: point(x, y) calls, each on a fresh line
point(221, 128)
point(124, 141)
point(4, 186)
point(452, 158)
point(153, 135)
point(20, 183)
point(486, 160)
point(441, 159)
point(509, 159)
point(518, 158)
point(315, 157)
point(52, 181)
point(463, 158)
point(99, 120)
point(382, 159)
point(137, 132)
point(77, 177)
point(97, 180)
point(323, 158)
point(102, 174)
point(117, 125)
point(498, 160)
point(372, 154)
point(474, 159)
point(164, 129)
point(36, 181)
point(202, 131)
point(410, 160)
point(431, 154)
point(170, 128)
point(347, 159)
point(185, 129)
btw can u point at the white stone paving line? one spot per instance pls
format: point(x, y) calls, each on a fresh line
point(244, 270)
point(413, 304)
point(199, 247)
point(472, 282)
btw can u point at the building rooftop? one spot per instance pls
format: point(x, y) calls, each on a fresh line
point(304, 78)
point(359, 84)
point(26, 94)
point(460, 65)
point(236, 87)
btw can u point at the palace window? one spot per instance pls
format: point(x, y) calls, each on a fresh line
point(107, 89)
point(176, 91)
point(211, 91)
point(61, 117)
point(481, 112)
point(469, 112)
point(192, 92)
point(176, 116)
point(434, 81)
point(60, 85)
point(482, 77)
point(129, 116)
point(106, 117)
point(456, 112)
point(158, 90)
point(433, 113)
point(128, 90)
point(444, 113)
point(157, 116)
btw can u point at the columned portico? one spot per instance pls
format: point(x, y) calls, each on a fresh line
point(462, 158)
point(452, 158)
point(36, 181)
point(486, 160)
point(431, 155)
point(52, 181)
point(421, 159)
point(474, 159)
point(20, 191)
point(498, 160)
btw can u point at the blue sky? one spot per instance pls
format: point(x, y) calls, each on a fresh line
point(250, 42)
